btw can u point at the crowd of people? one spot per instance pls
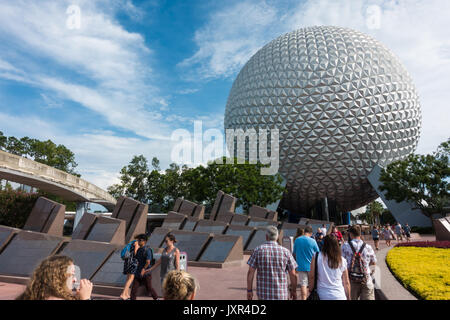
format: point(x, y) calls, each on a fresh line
point(389, 233)
point(325, 267)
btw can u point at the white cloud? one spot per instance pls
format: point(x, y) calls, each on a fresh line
point(188, 91)
point(6, 66)
point(51, 102)
point(416, 31)
point(100, 154)
point(231, 37)
point(101, 65)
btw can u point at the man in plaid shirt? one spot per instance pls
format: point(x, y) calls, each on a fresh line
point(273, 263)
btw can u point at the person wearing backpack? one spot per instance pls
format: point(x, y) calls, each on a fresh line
point(128, 254)
point(144, 257)
point(360, 256)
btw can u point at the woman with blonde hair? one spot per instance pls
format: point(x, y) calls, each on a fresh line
point(53, 279)
point(179, 285)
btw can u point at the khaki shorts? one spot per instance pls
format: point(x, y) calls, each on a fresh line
point(362, 291)
point(303, 278)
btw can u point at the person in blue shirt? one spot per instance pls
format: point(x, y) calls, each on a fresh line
point(144, 256)
point(320, 241)
point(407, 230)
point(305, 247)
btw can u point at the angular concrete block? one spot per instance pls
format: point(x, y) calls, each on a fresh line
point(47, 216)
point(26, 250)
point(209, 226)
point(84, 226)
point(442, 229)
point(216, 205)
point(225, 217)
point(177, 205)
point(157, 237)
point(258, 222)
point(240, 219)
point(228, 203)
point(88, 255)
point(223, 249)
point(187, 208)
point(174, 220)
point(199, 212)
point(190, 223)
point(258, 212)
point(190, 242)
point(6, 234)
point(244, 231)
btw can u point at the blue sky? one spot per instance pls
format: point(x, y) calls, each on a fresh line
point(137, 70)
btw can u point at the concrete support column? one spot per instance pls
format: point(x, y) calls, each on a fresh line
point(82, 207)
point(325, 213)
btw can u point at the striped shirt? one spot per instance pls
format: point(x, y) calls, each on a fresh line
point(272, 262)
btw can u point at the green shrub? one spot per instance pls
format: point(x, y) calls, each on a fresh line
point(15, 207)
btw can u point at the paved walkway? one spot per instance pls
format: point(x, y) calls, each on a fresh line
point(390, 287)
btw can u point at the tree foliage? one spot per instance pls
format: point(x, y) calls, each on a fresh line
point(373, 212)
point(200, 184)
point(46, 152)
point(421, 179)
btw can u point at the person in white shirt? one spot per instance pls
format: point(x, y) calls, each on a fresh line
point(324, 230)
point(332, 277)
point(360, 290)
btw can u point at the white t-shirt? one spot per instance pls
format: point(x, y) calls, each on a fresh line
point(329, 281)
point(324, 231)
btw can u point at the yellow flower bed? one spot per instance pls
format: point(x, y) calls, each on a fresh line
point(426, 271)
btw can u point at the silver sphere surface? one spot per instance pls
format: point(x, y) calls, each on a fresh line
point(342, 102)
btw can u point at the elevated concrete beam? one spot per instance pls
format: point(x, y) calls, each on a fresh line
point(46, 178)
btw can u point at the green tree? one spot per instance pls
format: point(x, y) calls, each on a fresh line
point(156, 192)
point(387, 217)
point(3, 141)
point(421, 179)
point(199, 184)
point(46, 152)
point(57, 156)
point(155, 164)
point(15, 146)
point(134, 177)
point(374, 210)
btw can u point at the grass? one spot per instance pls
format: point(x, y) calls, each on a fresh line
point(424, 271)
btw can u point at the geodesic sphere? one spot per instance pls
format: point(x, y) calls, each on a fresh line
point(342, 102)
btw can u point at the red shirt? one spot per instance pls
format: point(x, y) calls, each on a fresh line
point(338, 235)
